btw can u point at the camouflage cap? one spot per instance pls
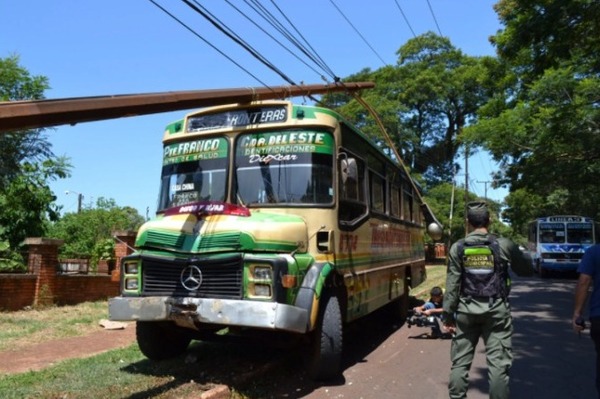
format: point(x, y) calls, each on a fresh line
point(478, 213)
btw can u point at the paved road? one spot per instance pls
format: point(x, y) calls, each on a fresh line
point(550, 360)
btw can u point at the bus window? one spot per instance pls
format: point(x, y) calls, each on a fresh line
point(267, 174)
point(552, 233)
point(189, 182)
point(407, 204)
point(377, 193)
point(395, 202)
point(580, 233)
point(349, 179)
point(352, 194)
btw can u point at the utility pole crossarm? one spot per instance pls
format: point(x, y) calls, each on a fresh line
point(485, 182)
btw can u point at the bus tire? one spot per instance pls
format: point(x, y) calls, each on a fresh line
point(325, 356)
point(160, 340)
point(543, 272)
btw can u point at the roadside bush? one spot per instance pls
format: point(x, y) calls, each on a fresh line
point(11, 261)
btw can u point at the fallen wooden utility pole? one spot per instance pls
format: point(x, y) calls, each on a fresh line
point(21, 115)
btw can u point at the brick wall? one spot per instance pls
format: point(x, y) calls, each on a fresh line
point(44, 285)
point(74, 289)
point(17, 291)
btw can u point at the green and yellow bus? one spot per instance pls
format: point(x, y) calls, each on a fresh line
point(272, 217)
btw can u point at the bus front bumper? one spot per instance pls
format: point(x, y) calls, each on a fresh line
point(560, 266)
point(187, 312)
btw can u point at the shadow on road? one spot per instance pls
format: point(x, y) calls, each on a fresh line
point(258, 368)
point(550, 359)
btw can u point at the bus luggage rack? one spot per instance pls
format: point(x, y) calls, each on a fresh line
point(221, 278)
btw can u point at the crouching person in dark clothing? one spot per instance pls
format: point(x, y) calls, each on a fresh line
point(432, 310)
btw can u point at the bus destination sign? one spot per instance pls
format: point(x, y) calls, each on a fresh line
point(566, 219)
point(238, 117)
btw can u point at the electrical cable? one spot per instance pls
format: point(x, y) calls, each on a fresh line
point(434, 18)
point(272, 37)
point(207, 42)
point(405, 19)
point(217, 24)
point(358, 32)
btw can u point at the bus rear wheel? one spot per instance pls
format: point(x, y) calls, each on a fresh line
point(160, 340)
point(325, 356)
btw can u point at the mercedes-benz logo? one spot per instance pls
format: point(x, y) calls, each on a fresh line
point(191, 278)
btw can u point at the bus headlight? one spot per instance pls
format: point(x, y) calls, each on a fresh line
point(131, 283)
point(131, 268)
point(262, 273)
point(262, 290)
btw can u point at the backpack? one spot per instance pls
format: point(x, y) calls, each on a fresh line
point(483, 272)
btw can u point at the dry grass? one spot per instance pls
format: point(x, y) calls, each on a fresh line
point(25, 327)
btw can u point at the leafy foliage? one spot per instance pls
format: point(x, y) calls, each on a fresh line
point(27, 203)
point(31, 146)
point(27, 163)
point(89, 233)
point(423, 102)
point(10, 261)
point(543, 125)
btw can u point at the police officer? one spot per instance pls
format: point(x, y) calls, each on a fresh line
point(476, 303)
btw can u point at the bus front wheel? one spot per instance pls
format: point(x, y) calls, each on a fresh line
point(160, 340)
point(325, 358)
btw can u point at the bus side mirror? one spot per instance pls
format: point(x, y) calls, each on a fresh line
point(435, 231)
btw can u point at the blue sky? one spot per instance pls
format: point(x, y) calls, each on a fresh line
point(89, 48)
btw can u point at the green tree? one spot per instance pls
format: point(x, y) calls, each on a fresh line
point(424, 102)
point(27, 163)
point(20, 147)
point(448, 204)
point(543, 125)
point(27, 203)
point(88, 233)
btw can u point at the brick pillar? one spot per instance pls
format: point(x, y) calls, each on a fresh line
point(43, 262)
point(124, 242)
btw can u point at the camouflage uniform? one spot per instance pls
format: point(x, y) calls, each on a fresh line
point(481, 317)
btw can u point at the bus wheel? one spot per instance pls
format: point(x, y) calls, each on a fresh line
point(543, 272)
point(159, 340)
point(325, 356)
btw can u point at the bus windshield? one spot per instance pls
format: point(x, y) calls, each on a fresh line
point(193, 171)
point(552, 233)
point(291, 167)
point(580, 233)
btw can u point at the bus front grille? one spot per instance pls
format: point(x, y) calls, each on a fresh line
point(563, 255)
point(209, 278)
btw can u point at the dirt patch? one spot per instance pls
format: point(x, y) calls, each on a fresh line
point(39, 356)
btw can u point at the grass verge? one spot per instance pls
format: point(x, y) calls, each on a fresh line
point(250, 370)
point(436, 276)
point(26, 327)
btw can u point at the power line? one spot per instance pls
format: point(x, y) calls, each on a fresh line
point(358, 32)
point(434, 18)
point(322, 62)
point(272, 37)
point(236, 38)
point(207, 42)
point(405, 19)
